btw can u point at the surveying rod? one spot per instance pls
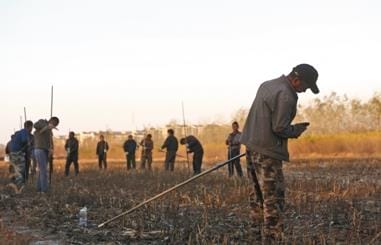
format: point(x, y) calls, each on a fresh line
point(50, 158)
point(171, 189)
point(185, 134)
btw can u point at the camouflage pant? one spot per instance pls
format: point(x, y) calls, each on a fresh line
point(271, 181)
point(17, 160)
point(146, 158)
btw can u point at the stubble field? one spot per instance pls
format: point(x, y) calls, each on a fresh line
point(328, 201)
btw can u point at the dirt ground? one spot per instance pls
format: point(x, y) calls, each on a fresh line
point(328, 201)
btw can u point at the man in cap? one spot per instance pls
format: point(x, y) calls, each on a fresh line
point(266, 132)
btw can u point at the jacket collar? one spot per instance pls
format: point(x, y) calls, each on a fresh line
point(289, 86)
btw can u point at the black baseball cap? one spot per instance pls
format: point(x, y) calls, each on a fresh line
point(307, 74)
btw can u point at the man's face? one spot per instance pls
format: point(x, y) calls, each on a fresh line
point(53, 123)
point(29, 129)
point(101, 138)
point(235, 127)
point(299, 85)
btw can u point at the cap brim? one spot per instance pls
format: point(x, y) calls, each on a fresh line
point(314, 88)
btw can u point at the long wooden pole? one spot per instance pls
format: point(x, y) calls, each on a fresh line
point(25, 114)
point(185, 134)
point(171, 189)
point(51, 157)
point(51, 101)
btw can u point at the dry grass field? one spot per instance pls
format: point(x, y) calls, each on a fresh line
point(328, 202)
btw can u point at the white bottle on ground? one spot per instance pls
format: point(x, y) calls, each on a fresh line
point(83, 217)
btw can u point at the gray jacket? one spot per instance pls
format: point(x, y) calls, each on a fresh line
point(268, 125)
point(233, 141)
point(43, 135)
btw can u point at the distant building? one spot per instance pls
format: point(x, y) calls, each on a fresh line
point(86, 135)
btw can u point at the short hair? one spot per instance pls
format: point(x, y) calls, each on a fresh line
point(170, 131)
point(183, 141)
point(235, 123)
point(101, 136)
point(54, 120)
point(130, 136)
point(28, 124)
point(71, 133)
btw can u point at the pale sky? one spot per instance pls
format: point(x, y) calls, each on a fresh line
point(128, 64)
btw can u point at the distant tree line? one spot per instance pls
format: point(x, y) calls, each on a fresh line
point(336, 114)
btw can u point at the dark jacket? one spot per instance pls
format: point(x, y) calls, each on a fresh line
point(171, 143)
point(193, 144)
point(268, 125)
point(20, 141)
point(43, 136)
point(71, 146)
point(130, 146)
point(102, 148)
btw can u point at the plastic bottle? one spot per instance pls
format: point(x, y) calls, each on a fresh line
point(83, 217)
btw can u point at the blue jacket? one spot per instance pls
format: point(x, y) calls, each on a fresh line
point(130, 146)
point(20, 141)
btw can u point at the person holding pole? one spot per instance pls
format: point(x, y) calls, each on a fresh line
point(266, 132)
point(194, 146)
point(43, 149)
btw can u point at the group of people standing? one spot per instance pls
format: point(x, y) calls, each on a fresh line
point(26, 148)
point(170, 147)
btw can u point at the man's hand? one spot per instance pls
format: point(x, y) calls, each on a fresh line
point(299, 128)
point(51, 152)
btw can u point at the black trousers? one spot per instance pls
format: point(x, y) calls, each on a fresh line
point(197, 161)
point(69, 160)
point(235, 164)
point(131, 161)
point(170, 158)
point(28, 162)
point(102, 161)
